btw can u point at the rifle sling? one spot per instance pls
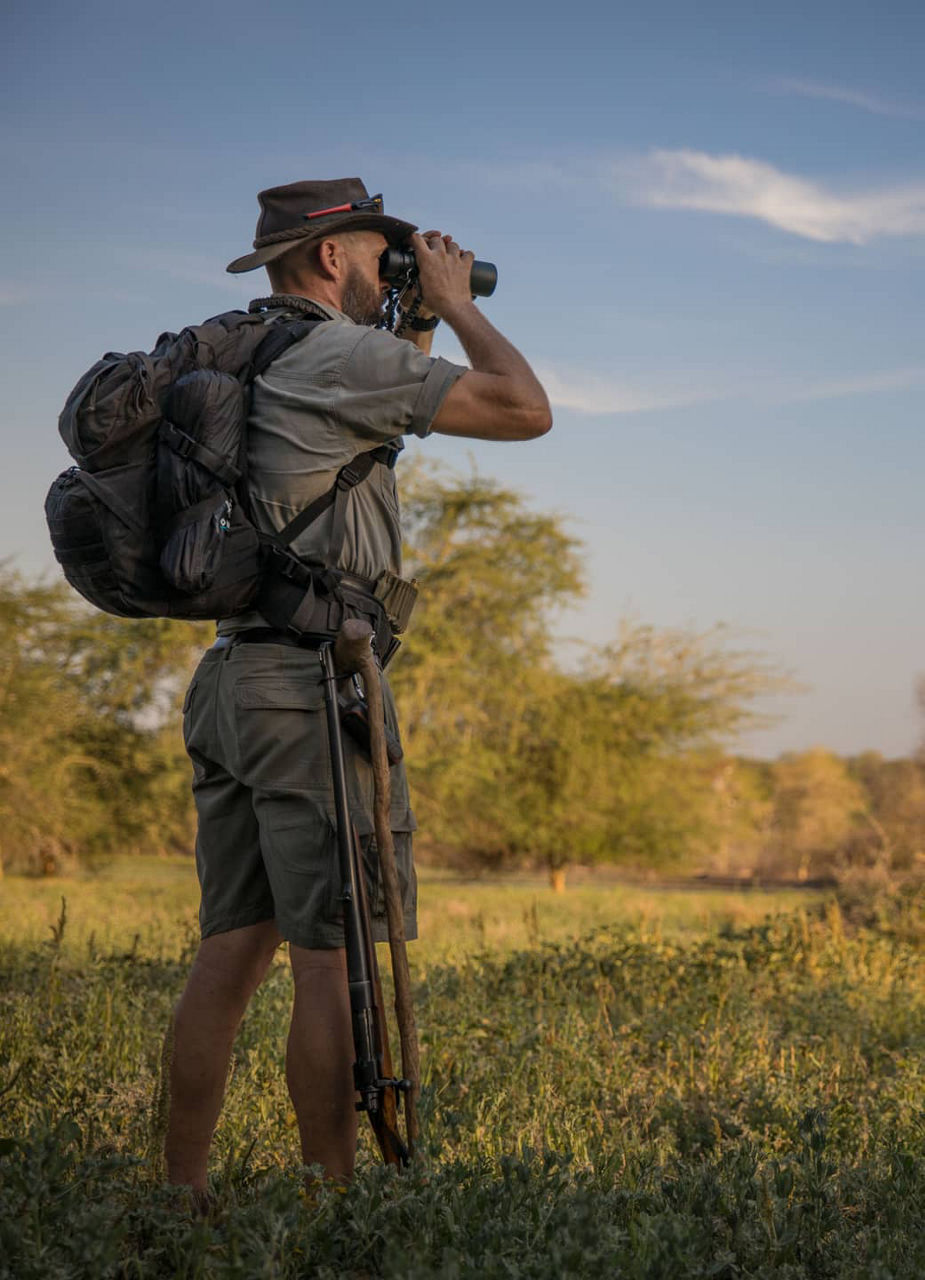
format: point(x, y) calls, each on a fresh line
point(349, 476)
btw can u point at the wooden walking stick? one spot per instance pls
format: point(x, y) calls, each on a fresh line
point(353, 653)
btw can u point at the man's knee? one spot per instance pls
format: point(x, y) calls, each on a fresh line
point(237, 960)
point(318, 963)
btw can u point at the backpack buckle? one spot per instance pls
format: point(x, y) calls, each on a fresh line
point(348, 477)
point(178, 440)
point(289, 568)
point(284, 565)
point(387, 454)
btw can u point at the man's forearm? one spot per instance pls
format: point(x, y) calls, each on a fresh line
point(488, 350)
point(502, 398)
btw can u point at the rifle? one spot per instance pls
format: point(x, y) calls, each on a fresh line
point(380, 1091)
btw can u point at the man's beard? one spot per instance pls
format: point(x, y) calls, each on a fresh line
point(360, 300)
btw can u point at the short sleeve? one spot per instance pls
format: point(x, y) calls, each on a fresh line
point(389, 386)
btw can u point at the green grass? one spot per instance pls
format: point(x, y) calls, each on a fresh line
point(618, 1082)
point(150, 905)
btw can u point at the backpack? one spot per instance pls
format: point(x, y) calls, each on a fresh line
point(153, 521)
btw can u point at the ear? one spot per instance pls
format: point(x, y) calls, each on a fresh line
point(332, 260)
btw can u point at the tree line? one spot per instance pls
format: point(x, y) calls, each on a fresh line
point(521, 751)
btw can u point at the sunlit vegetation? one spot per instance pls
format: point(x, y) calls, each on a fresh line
point(661, 1096)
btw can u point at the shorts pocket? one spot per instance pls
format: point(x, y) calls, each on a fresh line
point(299, 845)
point(282, 735)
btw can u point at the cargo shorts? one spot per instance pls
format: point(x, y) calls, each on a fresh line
point(266, 849)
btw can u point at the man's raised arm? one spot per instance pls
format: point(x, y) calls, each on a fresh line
point(500, 398)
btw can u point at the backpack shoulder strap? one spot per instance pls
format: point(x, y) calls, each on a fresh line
point(280, 336)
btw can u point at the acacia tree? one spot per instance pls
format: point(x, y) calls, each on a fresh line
point(492, 575)
point(516, 761)
point(895, 792)
point(819, 810)
point(629, 770)
point(91, 760)
point(40, 719)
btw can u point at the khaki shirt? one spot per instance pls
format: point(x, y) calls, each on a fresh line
point(342, 390)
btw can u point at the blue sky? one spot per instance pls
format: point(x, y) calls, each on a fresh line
point(710, 229)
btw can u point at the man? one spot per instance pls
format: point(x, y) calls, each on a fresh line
point(253, 718)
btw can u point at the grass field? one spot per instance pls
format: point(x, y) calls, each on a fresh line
point(618, 1082)
point(155, 901)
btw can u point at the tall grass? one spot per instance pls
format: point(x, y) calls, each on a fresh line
point(641, 1096)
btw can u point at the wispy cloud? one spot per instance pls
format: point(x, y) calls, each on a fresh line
point(861, 384)
point(748, 188)
point(589, 393)
point(873, 102)
point(584, 392)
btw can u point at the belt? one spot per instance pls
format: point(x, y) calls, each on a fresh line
point(350, 580)
point(267, 635)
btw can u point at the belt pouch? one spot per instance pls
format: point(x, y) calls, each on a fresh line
point(397, 597)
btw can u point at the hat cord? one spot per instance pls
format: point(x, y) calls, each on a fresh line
point(290, 233)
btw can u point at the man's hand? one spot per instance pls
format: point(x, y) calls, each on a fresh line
point(443, 272)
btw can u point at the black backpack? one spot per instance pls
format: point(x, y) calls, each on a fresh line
point(153, 521)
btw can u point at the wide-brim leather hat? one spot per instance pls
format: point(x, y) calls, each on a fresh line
point(305, 211)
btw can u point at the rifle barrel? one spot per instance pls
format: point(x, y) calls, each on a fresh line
point(372, 1068)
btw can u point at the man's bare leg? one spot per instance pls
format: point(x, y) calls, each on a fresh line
point(319, 1061)
point(227, 971)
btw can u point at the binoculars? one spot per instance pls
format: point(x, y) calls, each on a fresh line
point(400, 264)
